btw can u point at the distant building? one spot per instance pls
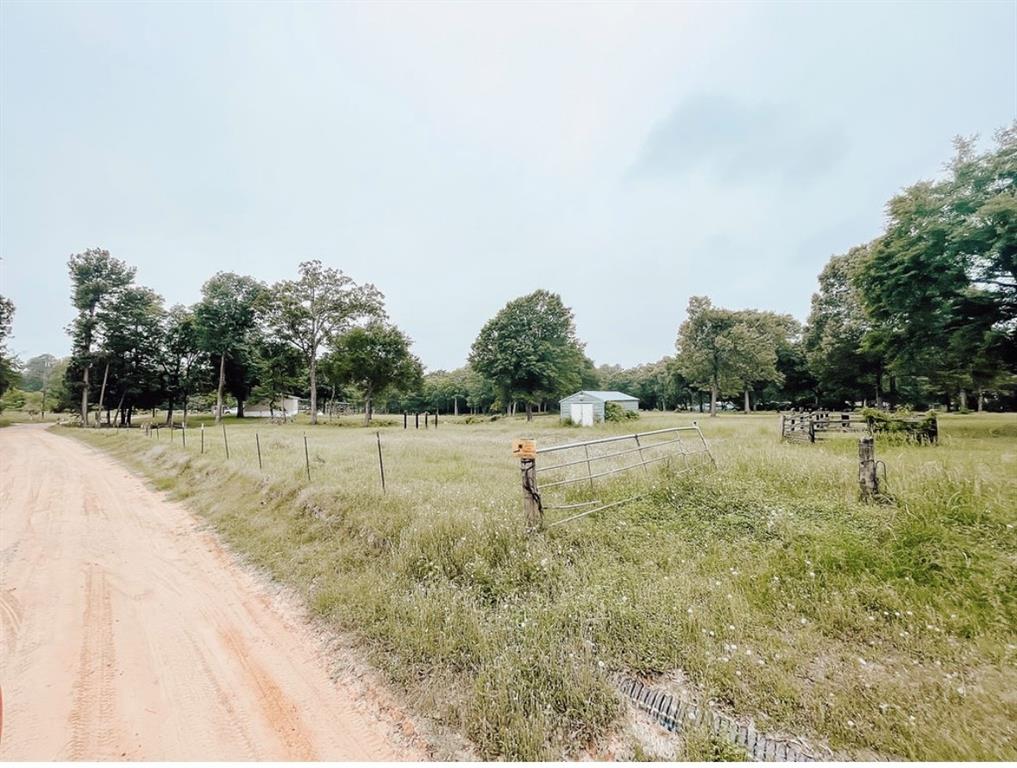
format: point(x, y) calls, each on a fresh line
point(285, 407)
point(587, 407)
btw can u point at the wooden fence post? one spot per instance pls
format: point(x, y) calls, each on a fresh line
point(868, 482)
point(405, 419)
point(225, 440)
point(183, 434)
point(416, 421)
point(783, 419)
point(526, 450)
point(257, 441)
point(202, 438)
point(307, 459)
point(381, 462)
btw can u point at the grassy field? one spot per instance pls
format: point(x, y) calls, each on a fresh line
point(762, 587)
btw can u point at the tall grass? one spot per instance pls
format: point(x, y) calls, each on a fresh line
point(878, 630)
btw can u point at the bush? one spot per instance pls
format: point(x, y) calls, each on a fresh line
point(904, 426)
point(614, 412)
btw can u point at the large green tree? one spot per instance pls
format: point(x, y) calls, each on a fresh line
point(374, 358)
point(184, 365)
point(313, 310)
point(530, 351)
point(227, 321)
point(97, 279)
point(723, 351)
point(132, 346)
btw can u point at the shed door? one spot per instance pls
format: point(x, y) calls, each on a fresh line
point(582, 414)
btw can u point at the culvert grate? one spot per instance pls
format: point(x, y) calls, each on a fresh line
point(677, 714)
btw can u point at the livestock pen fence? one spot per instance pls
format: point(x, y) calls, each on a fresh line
point(573, 478)
point(810, 426)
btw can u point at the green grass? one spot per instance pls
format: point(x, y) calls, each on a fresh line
point(879, 630)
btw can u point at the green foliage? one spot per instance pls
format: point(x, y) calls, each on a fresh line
point(833, 335)
point(226, 324)
point(902, 425)
point(939, 287)
point(614, 412)
point(13, 399)
point(227, 313)
point(9, 374)
point(375, 358)
point(314, 309)
point(726, 351)
point(97, 280)
point(529, 350)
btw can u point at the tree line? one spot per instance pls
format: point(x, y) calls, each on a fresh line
point(923, 315)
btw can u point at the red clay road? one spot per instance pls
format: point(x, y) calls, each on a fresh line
point(129, 633)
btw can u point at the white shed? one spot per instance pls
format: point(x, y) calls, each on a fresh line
point(586, 407)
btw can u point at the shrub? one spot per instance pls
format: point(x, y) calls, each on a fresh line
point(614, 412)
point(904, 426)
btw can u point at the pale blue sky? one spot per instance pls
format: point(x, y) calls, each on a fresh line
point(459, 155)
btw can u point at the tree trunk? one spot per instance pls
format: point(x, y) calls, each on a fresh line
point(529, 411)
point(84, 395)
point(713, 400)
point(455, 405)
point(240, 408)
point(222, 383)
point(981, 400)
point(963, 399)
point(185, 410)
point(120, 409)
point(169, 412)
point(314, 389)
point(367, 408)
point(102, 394)
point(747, 408)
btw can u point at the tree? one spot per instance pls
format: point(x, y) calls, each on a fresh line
point(983, 216)
point(311, 311)
point(8, 364)
point(722, 350)
point(226, 319)
point(529, 350)
point(37, 376)
point(96, 279)
point(375, 358)
point(779, 332)
point(182, 361)
point(844, 370)
point(279, 368)
point(132, 346)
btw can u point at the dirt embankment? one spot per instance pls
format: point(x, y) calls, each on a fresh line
point(129, 633)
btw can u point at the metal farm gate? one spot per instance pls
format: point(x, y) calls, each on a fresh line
point(567, 477)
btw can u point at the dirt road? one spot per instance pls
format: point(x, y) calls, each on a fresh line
point(129, 633)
